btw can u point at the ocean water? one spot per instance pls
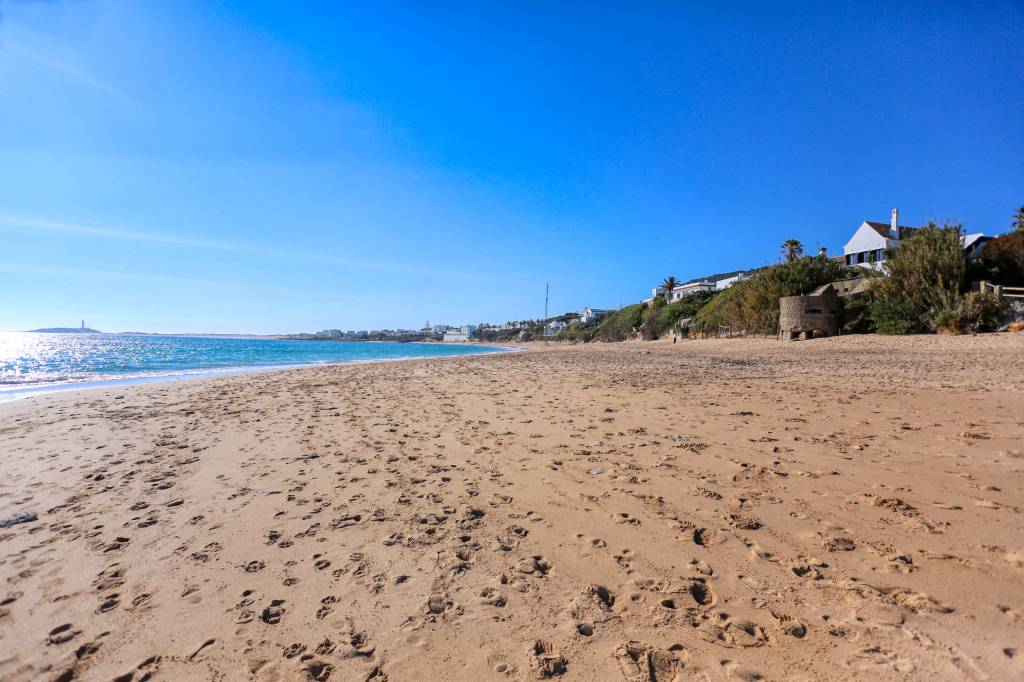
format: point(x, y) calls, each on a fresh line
point(31, 363)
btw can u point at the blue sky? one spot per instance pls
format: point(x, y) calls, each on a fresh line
point(269, 166)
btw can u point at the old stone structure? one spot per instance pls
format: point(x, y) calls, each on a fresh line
point(811, 315)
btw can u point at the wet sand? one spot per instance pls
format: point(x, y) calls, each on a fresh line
point(838, 509)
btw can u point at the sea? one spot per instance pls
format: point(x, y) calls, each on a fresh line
point(32, 363)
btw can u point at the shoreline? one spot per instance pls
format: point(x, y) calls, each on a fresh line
point(8, 395)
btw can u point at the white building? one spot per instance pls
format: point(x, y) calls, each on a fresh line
point(592, 315)
point(727, 282)
point(552, 328)
point(868, 244)
point(690, 288)
point(463, 333)
point(974, 244)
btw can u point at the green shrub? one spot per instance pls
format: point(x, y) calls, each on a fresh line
point(972, 312)
point(924, 271)
point(857, 315)
point(619, 325)
point(713, 313)
point(925, 290)
point(753, 304)
point(661, 319)
point(894, 318)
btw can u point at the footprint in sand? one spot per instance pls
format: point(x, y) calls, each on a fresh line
point(490, 596)
point(839, 544)
point(789, 625)
point(317, 670)
point(535, 565)
point(701, 567)
point(273, 613)
point(704, 537)
point(293, 650)
point(546, 662)
point(438, 603)
point(109, 603)
point(500, 664)
point(735, 671)
point(641, 663)
point(720, 629)
point(61, 634)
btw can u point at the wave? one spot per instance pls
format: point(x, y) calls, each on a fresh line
point(21, 385)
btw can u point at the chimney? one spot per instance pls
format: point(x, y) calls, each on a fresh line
point(894, 226)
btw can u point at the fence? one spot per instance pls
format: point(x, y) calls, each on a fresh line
point(1001, 291)
point(725, 331)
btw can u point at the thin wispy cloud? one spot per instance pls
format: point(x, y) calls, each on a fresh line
point(21, 223)
point(12, 267)
point(75, 73)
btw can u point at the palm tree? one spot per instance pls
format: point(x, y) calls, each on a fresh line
point(792, 249)
point(668, 285)
point(1018, 220)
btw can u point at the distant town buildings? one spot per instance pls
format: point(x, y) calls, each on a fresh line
point(463, 333)
point(552, 328)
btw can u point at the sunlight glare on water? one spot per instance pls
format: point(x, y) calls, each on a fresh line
point(32, 360)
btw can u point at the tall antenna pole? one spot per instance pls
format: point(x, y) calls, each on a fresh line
point(547, 289)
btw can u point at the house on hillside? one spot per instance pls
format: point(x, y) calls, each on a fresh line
point(727, 279)
point(592, 315)
point(552, 328)
point(717, 282)
point(690, 288)
point(974, 244)
point(868, 244)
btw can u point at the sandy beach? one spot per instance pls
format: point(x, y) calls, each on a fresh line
point(847, 508)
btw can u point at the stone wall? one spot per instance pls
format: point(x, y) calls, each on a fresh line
point(807, 316)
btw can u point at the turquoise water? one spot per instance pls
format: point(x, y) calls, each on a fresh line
point(33, 362)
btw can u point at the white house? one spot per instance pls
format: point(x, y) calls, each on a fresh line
point(974, 244)
point(690, 288)
point(867, 247)
point(592, 315)
point(727, 282)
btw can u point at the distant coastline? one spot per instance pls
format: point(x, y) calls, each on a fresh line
point(65, 330)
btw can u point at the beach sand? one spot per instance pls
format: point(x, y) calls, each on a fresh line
point(844, 508)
